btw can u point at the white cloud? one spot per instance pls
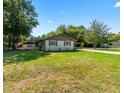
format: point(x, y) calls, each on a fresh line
point(50, 21)
point(61, 12)
point(117, 4)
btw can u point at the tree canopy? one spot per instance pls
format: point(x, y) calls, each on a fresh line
point(113, 37)
point(97, 33)
point(19, 17)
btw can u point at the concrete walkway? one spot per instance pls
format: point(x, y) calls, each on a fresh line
point(101, 51)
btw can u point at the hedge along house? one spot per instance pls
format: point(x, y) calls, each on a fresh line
point(60, 42)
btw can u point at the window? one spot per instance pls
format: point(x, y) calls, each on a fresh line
point(66, 43)
point(52, 42)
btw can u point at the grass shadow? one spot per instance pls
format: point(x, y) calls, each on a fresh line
point(22, 56)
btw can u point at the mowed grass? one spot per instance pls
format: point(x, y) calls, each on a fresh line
point(61, 72)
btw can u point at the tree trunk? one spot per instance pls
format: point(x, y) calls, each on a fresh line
point(94, 46)
point(13, 44)
point(9, 43)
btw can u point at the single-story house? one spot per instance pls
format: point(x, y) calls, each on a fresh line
point(111, 44)
point(114, 44)
point(60, 42)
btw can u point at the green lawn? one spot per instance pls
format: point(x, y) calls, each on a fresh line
point(61, 72)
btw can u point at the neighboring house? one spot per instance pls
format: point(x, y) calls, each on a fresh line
point(114, 44)
point(29, 45)
point(60, 42)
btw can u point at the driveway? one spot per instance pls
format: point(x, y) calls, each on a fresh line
point(101, 51)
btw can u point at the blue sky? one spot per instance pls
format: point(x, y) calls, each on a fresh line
point(52, 13)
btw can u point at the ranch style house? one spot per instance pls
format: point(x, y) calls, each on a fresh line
point(60, 42)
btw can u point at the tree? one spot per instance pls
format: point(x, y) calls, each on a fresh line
point(52, 33)
point(76, 32)
point(61, 29)
point(97, 32)
point(43, 36)
point(19, 18)
point(113, 37)
point(31, 38)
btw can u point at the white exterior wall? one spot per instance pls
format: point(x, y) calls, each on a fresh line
point(60, 46)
